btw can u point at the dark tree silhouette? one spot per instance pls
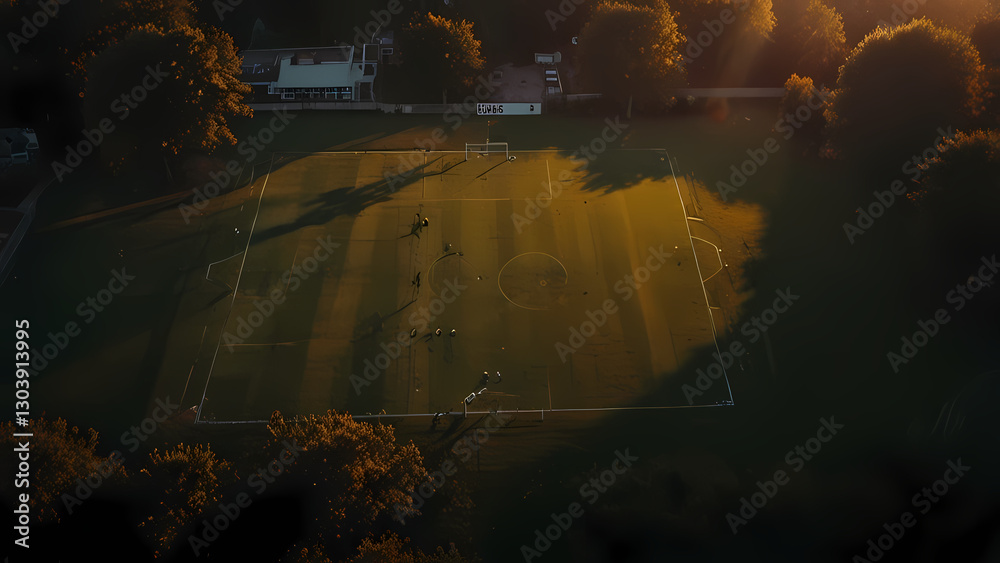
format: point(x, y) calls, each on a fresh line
point(185, 481)
point(354, 472)
point(62, 459)
point(898, 87)
point(628, 51)
point(443, 52)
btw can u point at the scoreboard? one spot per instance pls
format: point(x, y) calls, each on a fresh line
point(510, 109)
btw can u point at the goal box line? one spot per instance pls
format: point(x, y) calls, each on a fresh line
point(487, 148)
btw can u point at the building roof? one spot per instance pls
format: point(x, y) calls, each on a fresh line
point(12, 141)
point(262, 66)
point(314, 76)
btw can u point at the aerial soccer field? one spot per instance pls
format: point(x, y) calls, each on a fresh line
point(556, 283)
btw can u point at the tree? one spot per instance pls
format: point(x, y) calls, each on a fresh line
point(724, 38)
point(960, 15)
point(801, 92)
point(630, 51)
point(61, 459)
point(967, 164)
point(898, 87)
point(444, 52)
point(391, 549)
point(958, 200)
point(861, 17)
point(820, 41)
point(186, 480)
point(355, 471)
point(94, 52)
point(166, 90)
point(986, 38)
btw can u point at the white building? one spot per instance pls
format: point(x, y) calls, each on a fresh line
point(333, 74)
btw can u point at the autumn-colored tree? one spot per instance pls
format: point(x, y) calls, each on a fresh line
point(96, 52)
point(80, 31)
point(632, 52)
point(861, 17)
point(724, 39)
point(754, 17)
point(898, 87)
point(185, 481)
point(391, 549)
point(166, 90)
point(62, 458)
point(443, 52)
point(819, 41)
point(355, 471)
point(986, 38)
point(966, 170)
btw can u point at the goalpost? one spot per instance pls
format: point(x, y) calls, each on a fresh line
point(486, 148)
point(508, 405)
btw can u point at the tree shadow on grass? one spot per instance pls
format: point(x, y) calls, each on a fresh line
point(618, 169)
point(350, 200)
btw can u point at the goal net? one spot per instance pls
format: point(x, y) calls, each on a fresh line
point(510, 407)
point(486, 149)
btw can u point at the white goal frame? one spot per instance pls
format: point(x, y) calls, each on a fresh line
point(487, 148)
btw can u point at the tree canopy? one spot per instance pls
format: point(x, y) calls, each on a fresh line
point(61, 454)
point(391, 549)
point(986, 38)
point(958, 199)
point(92, 53)
point(801, 92)
point(187, 480)
point(627, 50)
point(819, 41)
point(443, 51)
point(899, 86)
point(356, 471)
point(195, 78)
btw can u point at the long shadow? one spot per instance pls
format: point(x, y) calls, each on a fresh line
point(348, 201)
point(623, 170)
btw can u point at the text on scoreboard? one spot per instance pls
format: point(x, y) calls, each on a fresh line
point(510, 109)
